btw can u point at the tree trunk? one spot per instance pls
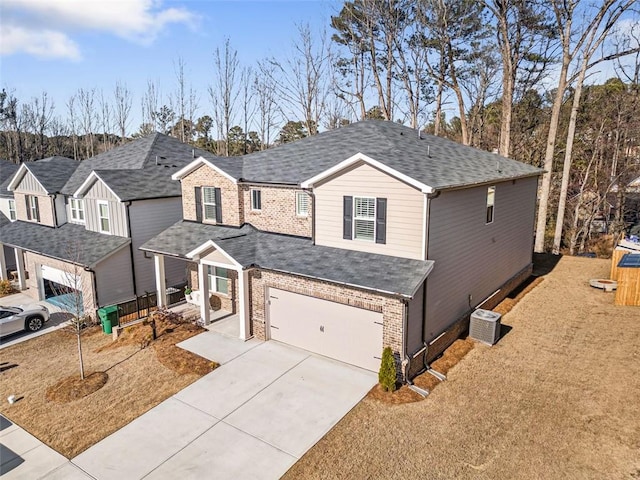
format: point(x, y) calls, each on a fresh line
point(78, 333)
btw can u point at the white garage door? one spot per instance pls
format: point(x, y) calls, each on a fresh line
point(349, 334)
point(60, 276)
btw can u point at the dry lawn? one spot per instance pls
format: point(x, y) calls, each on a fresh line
point(138, 379)
point(556, 398)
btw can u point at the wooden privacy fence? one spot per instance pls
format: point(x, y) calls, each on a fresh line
point(143, 305)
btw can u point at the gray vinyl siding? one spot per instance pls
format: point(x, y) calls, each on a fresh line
point(415, 321)
point(117, 210)
point(29, 184)
point(114, 279)
point(148, 218)
point(474, 259)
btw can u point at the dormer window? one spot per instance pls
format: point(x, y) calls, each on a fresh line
point(256, 200)
point(302, 204)
point(77, 209)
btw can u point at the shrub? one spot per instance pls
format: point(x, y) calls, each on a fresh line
point(6, 288)
point(387, 373)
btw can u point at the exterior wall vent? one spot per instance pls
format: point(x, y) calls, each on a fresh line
point(485, 326)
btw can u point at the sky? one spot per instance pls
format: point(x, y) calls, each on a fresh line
point(59, 46)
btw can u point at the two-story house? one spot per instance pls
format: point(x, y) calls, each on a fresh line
point(367, 236)
point(79, 223)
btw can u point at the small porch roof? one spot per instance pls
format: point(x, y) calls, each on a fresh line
point(59, 243)
point(250, 247)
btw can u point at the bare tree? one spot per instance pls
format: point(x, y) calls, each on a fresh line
point(268, 113)
point(12, 125)
point(224, 92)
point(72, 117)
point(88, 118)
point(38, 116)
point(594, 36)
point(122, 109)
point(180, 97)
point(150, 106)
point(301, 79)
point(106, 116)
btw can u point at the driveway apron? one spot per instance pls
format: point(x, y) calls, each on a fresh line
point(253, 417)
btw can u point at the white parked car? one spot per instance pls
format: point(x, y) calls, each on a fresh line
point(24, 317)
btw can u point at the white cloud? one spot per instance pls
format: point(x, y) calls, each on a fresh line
point(31, 22)
point(41, 43)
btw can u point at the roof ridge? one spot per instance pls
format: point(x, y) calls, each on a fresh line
point(156, 135)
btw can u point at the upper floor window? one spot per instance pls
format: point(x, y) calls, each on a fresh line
point(491, 200)
point(103, 217)
point(256, 200)
point(302, 204)
point(12, 210)
point(209, 203)
point(77, 209)
point(218, 279)
point(365, 218)
point(33, 209)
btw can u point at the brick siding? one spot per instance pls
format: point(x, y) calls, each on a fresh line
point(45, 207)
point(278, 213)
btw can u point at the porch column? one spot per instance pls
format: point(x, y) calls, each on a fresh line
point(203, 283)
point(243, 304)
point(161, 287)
point(3, 264)
point(22, 283)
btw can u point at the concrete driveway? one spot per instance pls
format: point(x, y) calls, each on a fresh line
point(57, 319)
point(253, 417)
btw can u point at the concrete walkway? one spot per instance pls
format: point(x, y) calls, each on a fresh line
point(253, 417)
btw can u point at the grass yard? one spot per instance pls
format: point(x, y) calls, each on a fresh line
point(556, 398)
point(140, 375)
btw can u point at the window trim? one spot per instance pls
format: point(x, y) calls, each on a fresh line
point(490, 212)
point(12, 210)
point(252, 199)
point(211, 204)
point(75, 210)
point(212, 276)
point(100, 217)
point(371, 219)
point(34, 208)
point(306, 196)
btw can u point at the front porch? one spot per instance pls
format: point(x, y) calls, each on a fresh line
point(223, 322)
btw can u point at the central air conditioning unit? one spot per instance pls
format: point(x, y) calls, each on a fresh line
point(485, 326)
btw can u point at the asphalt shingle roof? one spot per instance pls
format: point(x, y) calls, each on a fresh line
point(434, 161)
point(58, 242)
point(144, 167)
point(7, 171)
point(251, 247)
point(52, 172)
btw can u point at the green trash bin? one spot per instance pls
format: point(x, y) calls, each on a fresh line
point(108, 318)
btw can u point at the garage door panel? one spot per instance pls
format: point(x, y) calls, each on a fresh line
point(346, 333)
point(60, 276)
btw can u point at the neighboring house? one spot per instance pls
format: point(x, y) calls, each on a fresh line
point(7, 213)
point(80, 223)
point(355, 239)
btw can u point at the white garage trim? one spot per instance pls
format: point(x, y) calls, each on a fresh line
point(67, 279)
point(350, 334)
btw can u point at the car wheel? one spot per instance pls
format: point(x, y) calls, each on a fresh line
point(34, 323)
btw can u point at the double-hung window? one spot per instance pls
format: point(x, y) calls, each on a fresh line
point(491, 200)
point(218, 279)
point(33, 210)
point(104, 222)
point(12, 210)
point(364, 218)
point(302, 204)
point(209, 203)
point(256, 200)
point(77, 209)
